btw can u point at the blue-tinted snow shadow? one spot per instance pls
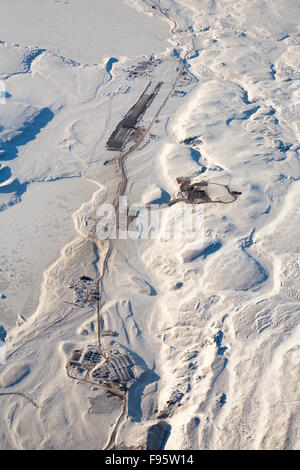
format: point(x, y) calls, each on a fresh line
point(165, 197)
point(14, 187)
point(109, 65)
point(222, 400)
point(212, 248)
point(218, 340)
point(195, 55)
point(246, 115)
point(136, 392)
point(195, 154)
point(2, 333)
point(9, 149)
point(26, 134)
point(209, 250)
point(4, 95)
point(5, 174)
point(158, 434)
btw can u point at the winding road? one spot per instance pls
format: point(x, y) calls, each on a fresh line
point(105, 247)
point(122, 186)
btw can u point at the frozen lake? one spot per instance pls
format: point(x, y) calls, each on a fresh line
point(84, 31)
point(32, 234)
point(88, 32)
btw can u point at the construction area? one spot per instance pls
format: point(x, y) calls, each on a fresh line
point(201, 192)
point(127, 128)
point(194, 193)
point(110, 369)
point(86, 291)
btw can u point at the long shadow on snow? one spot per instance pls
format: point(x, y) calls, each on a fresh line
point(5, 174)
point(27, 133)
point(136, 391)
point(246, 115)
point(109, 65)
point(14, 187)
point(9, 148)
point(165, 197)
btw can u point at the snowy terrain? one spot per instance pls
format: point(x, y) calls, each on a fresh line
point(214, 327)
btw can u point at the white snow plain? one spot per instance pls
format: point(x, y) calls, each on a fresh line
point(215, 327)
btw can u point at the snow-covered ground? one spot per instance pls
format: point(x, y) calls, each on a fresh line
point(214, 325)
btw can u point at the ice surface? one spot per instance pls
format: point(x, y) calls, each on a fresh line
point(212, 326)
